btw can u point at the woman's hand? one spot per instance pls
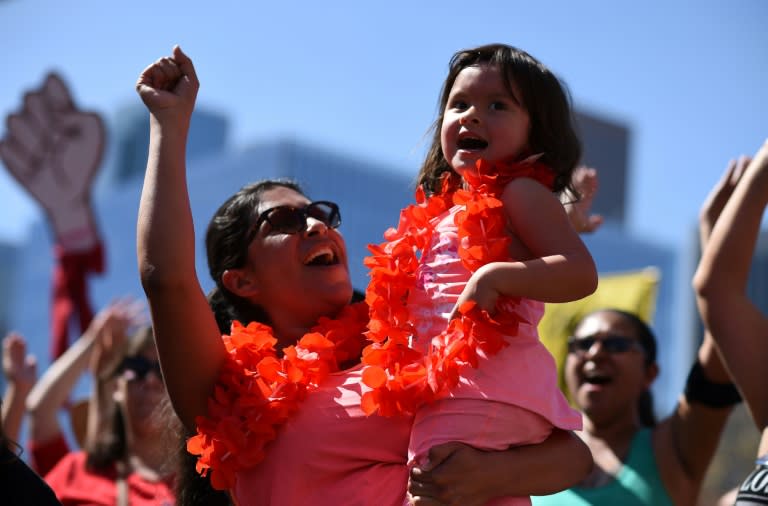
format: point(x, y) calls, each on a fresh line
point(169, 86)
point(110, 330)
point(453, 476)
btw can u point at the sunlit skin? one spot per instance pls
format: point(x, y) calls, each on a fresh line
point(278, 270)
point(482, 119)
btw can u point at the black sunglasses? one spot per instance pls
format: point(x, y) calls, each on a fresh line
point(610, 343)
point(140, 367)
point(293, 220)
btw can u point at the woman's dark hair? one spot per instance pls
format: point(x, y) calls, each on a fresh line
point(542, 94)
point(191, 488)
point(109, 445)
point(647, 340)
point(226, 243)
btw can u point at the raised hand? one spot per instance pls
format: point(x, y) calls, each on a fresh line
point(715, 202)
point(53, 150)
point(111, 328)
point(18, 367)
point(579, 212)
point(169, 86)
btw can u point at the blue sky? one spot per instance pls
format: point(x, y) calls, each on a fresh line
point(688, 78)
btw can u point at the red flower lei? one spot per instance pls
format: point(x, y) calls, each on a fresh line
point(402, 379)
point(258, 391)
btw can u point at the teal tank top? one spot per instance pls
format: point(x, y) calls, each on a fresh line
point(637, 484)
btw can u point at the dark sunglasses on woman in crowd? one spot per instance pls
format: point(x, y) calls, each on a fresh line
point(612, 344)
point(139, 367)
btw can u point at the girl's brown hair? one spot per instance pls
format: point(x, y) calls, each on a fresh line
point(553, 131)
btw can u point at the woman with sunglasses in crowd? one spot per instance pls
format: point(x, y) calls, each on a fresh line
point(610, 368)
point(125, 458)
point(52, 393)
point(277, 407)
point(739, 326)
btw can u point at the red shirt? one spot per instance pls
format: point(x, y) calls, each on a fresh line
point(74, 484)
point(44, 456)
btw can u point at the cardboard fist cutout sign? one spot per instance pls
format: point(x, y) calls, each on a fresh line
point(53, 150)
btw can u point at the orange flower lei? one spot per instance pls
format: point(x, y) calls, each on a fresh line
point(258, 391)
point(402, 379)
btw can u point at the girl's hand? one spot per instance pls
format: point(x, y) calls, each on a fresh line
point(169, 86)
point(585, 181)
point(451, 477)
point(480, 288)
point(18, 367)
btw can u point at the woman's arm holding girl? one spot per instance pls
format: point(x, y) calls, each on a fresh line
point(460, 474)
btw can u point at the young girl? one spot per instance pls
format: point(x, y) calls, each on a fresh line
point(464, 277)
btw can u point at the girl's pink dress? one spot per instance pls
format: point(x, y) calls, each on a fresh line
point(331, 453)
point(511, 398)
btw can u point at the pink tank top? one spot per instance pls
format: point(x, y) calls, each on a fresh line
point(331, 453)
point(523, 373)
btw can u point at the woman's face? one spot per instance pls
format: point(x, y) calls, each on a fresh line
point(297, 276)
point(605, 369)
point(140, 390)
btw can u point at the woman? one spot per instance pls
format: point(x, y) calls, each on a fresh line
point(51, 393)
point(124, 460)
point(738, 325)
point(609, 371)
point(277, 258)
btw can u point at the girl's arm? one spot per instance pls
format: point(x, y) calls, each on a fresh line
point(560, 268)
point(459, 474)
point(188, 341)
point(736, 324)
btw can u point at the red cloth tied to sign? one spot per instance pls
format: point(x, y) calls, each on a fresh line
point(70, 292)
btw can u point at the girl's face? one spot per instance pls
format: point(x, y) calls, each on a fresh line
point(296, 276)
point(605, 369)
point(482, 120)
